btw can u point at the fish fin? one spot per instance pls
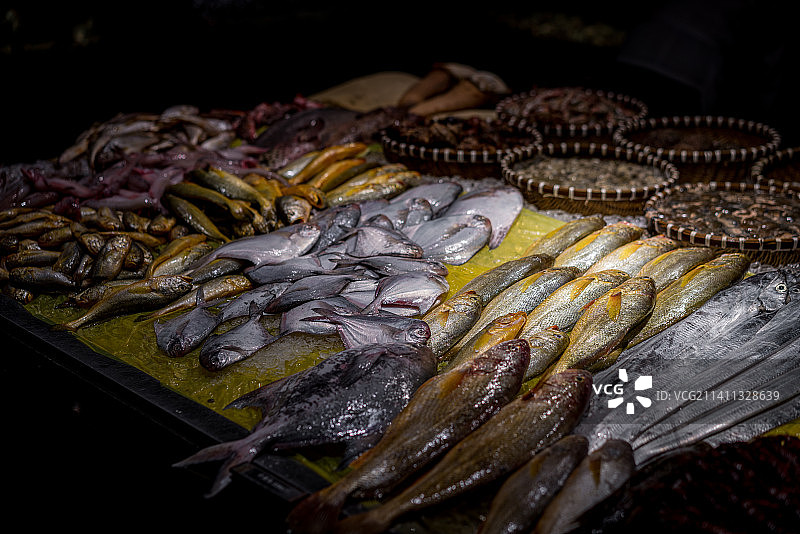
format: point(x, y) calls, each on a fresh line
point(450, 381)
point(232, 453)
point(614, 304)
point(317, 513)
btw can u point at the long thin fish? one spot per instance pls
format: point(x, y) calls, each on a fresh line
point(556, 241)
point(490, 283)
point(587, 251)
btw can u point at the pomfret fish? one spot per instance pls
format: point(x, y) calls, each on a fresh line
point(368, 241)
point(391, 265)
point(290, 270)
point(451, 319)
point(524, 495)
point(556, 241)
point(671, 265)
point(408, 294)
point(362, 389)
point(311, 287)
point(262, 295)
point(412, 211)
point(294, 320)
point(501, 205)
point(598, 475)
point(142, 295)
point(585, 252)
point(356, 329)
point(239, 343)
point(440, 195)
point(182, 334)
point(631, 257)
point(452, 239)
point(564, 306)
point(605, 323)
point(690, 291)
point(444, 410)
point(274, 247)
point(498, 447)
point(504, 328)
point(523, 295)
point(490, 283)
point(335, 223)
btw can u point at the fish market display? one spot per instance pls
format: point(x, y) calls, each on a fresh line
point(556, 241)
point(439, 415)
point(363, 388)
point(536, 419)
point(501, 205)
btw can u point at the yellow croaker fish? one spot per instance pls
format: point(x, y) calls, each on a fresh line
point(562, 308)
point(451, 319)
point(631, 257)
point(588, 250)
point(546, 346)
point(339, 172)
point(690, 291)
point(297, 164)
point(556, 241)
point(382, 186)
point(523, 295)
point(326, 157)
point(490, 283)
point(503, 328)
point(605, 324)
point(670, 266)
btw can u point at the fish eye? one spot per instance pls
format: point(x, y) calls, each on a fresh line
point(795, 289)
point(781, 288)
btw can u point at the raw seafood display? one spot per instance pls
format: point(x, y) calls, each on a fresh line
point(228, 251)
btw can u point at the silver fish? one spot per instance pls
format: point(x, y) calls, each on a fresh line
point(222, 350)
point(501, 205)
point(274, 247)
point(440, 195)
point(180, 335)
point(408, 294)
point(391, 265)
point(294, 320)
point(452, 239)
point(262, 295)
point(310, 288)
point(367, 241)
point(358, 329)
point(290, 270)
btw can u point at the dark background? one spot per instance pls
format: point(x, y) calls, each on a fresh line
point(83, 454)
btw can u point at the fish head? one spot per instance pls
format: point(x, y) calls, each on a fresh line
point(417, 333)
point(573, 385)
point(511, 356)
point(775, 292)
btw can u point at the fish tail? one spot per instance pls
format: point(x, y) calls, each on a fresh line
point(231, 453)
point(318, 513)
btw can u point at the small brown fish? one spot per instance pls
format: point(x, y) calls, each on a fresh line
point(598, 475)
point(194, 217)
point(111, 257)
point(138, 296)
point(524, 495)
point(217, 288)
point(175, 247)
point(325, 158)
